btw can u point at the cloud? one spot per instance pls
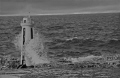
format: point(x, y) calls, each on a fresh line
point(102, 8)
point(73, 4)
point(56, 6)
point(11, 7)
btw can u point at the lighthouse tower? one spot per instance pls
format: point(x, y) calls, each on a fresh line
point(27, 35)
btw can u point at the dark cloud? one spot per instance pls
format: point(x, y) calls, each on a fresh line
point(56, 6)
point(11, 7)
point(72, 4)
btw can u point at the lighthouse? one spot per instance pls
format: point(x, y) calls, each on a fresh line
point(26, 36)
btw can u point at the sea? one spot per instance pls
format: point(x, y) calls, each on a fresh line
point(58, 36)
point(66, 35)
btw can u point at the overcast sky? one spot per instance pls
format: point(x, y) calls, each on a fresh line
point(8, 7)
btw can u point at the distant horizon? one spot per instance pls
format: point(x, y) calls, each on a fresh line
point(60, 13)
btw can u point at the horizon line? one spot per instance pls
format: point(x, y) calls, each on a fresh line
point(62, 13)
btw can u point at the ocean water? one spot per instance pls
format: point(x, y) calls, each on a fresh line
point(66, 35)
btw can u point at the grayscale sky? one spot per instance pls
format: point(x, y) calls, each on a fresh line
point(8, 7)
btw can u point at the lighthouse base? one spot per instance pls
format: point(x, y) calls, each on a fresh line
point(24, 66)
point(21, 66)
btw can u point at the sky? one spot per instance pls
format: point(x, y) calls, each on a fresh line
point(21, 7)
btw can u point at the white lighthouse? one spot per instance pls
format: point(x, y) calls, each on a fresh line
point(27, 35)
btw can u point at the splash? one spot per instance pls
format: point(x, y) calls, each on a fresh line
point(35, 51)
point(17, 42)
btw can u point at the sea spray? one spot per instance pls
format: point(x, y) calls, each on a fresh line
point(34, 50)
point(17, 41)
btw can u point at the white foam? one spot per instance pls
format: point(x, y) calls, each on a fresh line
point(17, 42)
point(34, 49)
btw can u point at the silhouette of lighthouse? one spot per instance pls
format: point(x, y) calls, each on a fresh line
point(27, 35)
